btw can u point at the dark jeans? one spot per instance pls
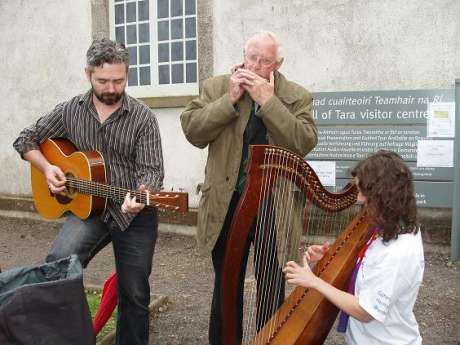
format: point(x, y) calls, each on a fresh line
point(269, 277)
point(133, 251)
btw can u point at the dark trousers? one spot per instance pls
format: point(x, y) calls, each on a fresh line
point(133, 251)
point(269, 277)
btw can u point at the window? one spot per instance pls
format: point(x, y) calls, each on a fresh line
point(161, 36)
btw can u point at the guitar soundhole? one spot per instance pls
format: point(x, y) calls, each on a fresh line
point(62, 199)
point(66, 199)
point(70, 189)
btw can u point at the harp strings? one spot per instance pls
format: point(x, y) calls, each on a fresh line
point(263, 245)
point(282, 212)
point(286, 179)
point(280, 180)
point(250, 297)
point(322, 225)
point(276, 208)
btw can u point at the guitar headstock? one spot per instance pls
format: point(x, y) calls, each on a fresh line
point(169, 201)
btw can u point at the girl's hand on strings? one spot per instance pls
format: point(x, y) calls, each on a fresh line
point(316, 252)
point(300, 275)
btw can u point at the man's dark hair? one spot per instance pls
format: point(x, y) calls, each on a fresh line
point(106, 51)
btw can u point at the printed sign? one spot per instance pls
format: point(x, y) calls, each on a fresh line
point(353, 125)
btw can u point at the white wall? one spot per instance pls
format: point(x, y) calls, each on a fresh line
point(42, 52)
point(184, 163)
point(45, 59)
point(344, 45)
point(328, 46)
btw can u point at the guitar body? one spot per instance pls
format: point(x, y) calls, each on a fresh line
point(83, 165)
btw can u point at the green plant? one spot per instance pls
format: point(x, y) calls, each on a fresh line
point(94, 299)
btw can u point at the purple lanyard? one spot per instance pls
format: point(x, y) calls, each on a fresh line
point(343, 319)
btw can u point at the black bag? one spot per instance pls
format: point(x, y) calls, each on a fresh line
point(45, 305)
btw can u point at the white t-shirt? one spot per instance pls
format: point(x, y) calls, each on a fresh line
point(387, 285)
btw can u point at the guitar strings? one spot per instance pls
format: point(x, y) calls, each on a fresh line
point(117, 193)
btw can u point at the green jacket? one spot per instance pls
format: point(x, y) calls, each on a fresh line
point(212, 121)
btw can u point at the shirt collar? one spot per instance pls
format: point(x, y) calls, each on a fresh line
point(85, 98)
point(126, 105)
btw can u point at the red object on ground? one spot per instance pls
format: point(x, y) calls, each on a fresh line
point(108, 303)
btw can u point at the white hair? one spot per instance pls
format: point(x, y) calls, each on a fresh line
point(265, 35)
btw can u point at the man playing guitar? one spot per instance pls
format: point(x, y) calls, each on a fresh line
point(126, 133)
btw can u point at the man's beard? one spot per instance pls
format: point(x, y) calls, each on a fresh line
point(108, 98)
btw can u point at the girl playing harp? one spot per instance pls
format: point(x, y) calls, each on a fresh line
point(387, 276)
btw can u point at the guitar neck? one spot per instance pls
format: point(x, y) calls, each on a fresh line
point(164, 200)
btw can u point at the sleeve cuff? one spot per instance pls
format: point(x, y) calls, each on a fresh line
point(26, 147)
point(372, 310)
point(269, 106)
point(228, 106)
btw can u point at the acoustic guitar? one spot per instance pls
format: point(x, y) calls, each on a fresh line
point(87, 191)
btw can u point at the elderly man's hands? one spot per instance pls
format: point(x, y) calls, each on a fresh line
point(260, 89)
point(236, 89)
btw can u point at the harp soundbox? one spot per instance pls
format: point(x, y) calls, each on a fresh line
point(305, 317)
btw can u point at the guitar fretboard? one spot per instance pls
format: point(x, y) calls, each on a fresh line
point(118, 194)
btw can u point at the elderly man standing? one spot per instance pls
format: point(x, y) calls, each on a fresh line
point(256, 104)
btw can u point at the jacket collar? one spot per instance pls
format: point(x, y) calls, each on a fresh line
point(285, 90)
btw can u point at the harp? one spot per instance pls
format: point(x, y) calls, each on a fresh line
point(277, 180)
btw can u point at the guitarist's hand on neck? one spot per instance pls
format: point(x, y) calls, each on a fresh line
point(130, 205)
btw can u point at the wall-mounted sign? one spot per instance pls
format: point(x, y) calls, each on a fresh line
point(435, 153)
point(441, 120)
point(353, 125)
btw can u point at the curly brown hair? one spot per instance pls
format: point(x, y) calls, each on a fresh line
point(386, 182)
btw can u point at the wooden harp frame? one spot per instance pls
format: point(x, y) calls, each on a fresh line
point(305, 317)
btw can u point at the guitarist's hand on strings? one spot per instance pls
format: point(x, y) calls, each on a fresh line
point(56, 180)
point(130, 205)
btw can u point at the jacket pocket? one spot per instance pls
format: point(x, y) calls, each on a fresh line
point(203, 187)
